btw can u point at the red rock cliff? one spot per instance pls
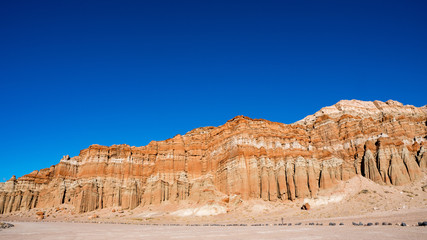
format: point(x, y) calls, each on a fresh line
point(253, 158)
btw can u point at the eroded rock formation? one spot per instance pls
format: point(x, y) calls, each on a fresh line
point(252, 158)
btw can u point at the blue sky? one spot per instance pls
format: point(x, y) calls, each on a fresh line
point(76, 73)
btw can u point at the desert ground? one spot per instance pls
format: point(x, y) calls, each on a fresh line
point(357, 200)
point(57, 230)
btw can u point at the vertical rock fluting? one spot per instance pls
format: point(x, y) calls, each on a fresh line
point(414, 170)
point(252, 158)
point(281, 182)
point(383, 163)
point(325, 178)
point(313, 182)
point(369, 167)
point(397, 171)
point(290, 179)
point(422, 158)
point(301, 178)
point(264, 184)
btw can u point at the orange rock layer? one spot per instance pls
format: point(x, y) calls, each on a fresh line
point(251, 158)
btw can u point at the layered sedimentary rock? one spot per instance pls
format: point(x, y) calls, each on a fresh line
point(251, 158)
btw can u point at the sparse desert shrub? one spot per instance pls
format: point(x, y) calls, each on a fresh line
point(364, 191)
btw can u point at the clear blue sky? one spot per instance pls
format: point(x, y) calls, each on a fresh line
point(76, 73)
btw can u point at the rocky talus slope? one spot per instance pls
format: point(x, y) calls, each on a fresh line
point(252, 158)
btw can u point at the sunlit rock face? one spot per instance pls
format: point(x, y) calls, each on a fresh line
point(250, 158)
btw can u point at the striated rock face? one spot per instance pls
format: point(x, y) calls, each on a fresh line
point(251, 158)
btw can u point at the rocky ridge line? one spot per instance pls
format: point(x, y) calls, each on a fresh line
point(249, 158)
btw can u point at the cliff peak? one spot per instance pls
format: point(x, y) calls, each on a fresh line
point(374, 109)
point(239, 117)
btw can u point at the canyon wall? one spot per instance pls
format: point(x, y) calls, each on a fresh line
point(252, 158)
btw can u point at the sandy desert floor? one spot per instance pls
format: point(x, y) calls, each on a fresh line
point(57, 230)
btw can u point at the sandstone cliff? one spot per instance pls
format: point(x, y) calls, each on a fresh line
point(251, 158)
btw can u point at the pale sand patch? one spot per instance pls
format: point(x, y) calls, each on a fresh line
point(206, 210)
point(324, 200)
point(150, 214)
